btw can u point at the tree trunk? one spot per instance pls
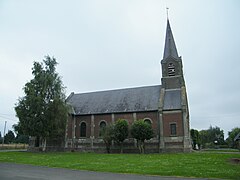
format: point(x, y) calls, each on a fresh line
point(108, 147)
point(121, 148)
point(37, 141)
point(143, 147)
point(44, 144)
point(139, 146)
point(108, 150)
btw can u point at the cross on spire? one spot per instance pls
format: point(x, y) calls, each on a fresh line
point(167, 11)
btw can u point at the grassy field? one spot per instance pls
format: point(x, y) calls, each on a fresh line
point(206, 165)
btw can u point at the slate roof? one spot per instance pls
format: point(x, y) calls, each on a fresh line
point(172, 99)
point(115, 101)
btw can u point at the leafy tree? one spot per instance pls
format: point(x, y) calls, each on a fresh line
point(42, 112)
point(20, 138)
point(216, 135)
point(211, 137)
point(9, 137)
point(231, 135)
point(195, 138)
point(0, 137)
point(24, 139)
point(141, 131)
point(120, 132)
point(107, 134)
point(203, 137)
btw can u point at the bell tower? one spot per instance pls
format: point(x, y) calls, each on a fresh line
point(172, 73)
point(174, 130)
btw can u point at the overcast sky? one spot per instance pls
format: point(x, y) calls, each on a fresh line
point(113, 44)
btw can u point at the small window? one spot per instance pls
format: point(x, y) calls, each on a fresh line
point(171, 69)
point(83, 129)
point(148, 121)
point(173, 129)
point(102, 126)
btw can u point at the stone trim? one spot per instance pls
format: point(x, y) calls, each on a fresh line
point(113, 118)
point(172, 112)
point(102, 121)
point(74, 127)
point(147, 118)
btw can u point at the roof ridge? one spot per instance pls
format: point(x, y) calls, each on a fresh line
point(101, 91)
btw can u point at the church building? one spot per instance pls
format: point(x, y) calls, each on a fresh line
point(164, 106)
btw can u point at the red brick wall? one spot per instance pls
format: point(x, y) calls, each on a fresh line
point(87, 120)
point(127, 116)
point(69, 127)
point(151, 115)
point(97, 119)
point(172, 118)
point(108, 118)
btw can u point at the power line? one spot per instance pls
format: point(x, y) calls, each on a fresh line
point(3, 117)
point(7, 114)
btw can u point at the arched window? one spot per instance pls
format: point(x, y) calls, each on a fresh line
point(83, 129)
point(102, 126)
point(148, 121)
point(171, 69)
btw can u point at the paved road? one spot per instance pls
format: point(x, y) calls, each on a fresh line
point(10, 171)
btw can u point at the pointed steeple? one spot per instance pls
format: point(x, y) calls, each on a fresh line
point(170, 47)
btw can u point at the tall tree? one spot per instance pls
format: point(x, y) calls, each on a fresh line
point(195, 138)
point(9, 137)
point(211, 136)
point(141, 131)
point(231, 135)
point(120, 132)
point(216, 135)
point(20, 138)
point(107, 136)
point(0, 137)
point(204, 138)
point(42, 112)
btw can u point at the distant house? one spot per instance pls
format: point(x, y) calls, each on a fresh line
point(237, 139)
point(164, 106)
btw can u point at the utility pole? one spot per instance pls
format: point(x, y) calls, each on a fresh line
point(4, 132)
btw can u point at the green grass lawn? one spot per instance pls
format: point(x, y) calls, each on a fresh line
point(206, 165)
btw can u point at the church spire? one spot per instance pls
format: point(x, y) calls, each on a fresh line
point(170, 47)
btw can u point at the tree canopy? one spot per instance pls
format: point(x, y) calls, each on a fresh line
point(120, 132)
point(9, 137)
point(211, 136)
point(141, 131)
point(231, 135)
point(195, 138)
point(42, 112)
point(107, 135)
